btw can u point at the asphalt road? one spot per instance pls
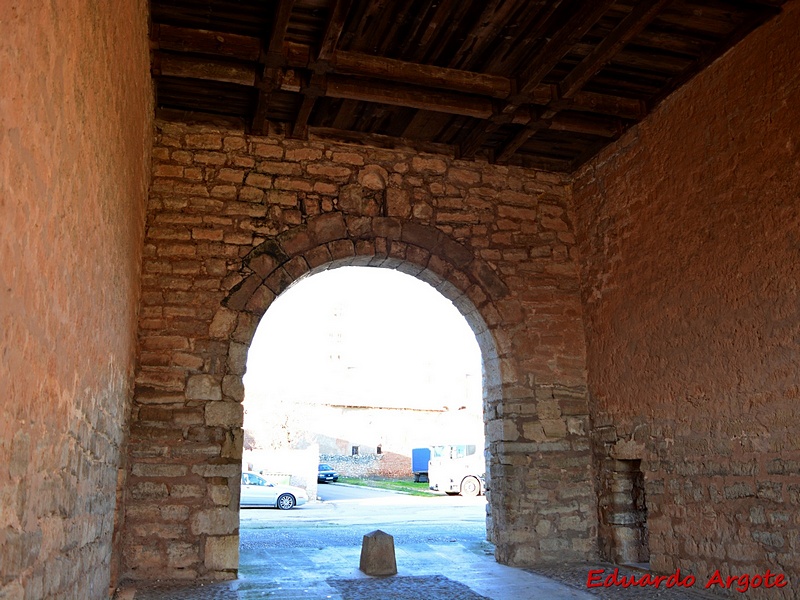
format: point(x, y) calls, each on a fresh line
point(352, 511)
point(330, 492)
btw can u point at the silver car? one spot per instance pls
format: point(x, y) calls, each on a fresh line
point(257, 491)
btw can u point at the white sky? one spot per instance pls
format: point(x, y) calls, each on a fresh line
point(363, 336)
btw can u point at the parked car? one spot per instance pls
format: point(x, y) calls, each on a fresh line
point(326, 474)
point(257, 491)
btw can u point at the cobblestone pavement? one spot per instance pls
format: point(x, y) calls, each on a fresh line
point(407, 588)
point(388, 588)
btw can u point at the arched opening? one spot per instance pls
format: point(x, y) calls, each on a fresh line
point(362, 368)
point(361, 362)
point(339, 371)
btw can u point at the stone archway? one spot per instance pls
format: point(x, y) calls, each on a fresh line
point(235, 219)
point(326, 243)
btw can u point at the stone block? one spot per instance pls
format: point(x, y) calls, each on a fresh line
point(222, 553)
point(429, 165)
point(204, 141)
point(224, 414)
point(299, 154)
point(215, 521)
point(181, 554)
point(220, 494)
point(327, 228)
point(203, 387)
point(330, 171)
point(377, 554)
point(348, 158)
point(373, 177)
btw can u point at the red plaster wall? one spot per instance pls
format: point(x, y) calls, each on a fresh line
point(689, 230)
point(75, 137)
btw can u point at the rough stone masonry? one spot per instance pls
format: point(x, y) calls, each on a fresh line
point(234, 219)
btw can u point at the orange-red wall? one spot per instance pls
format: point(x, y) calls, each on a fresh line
point(689, 230)
point(75, 138)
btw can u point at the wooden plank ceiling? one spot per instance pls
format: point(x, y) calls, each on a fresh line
point(538, 83)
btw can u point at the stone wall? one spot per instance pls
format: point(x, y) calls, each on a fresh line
point(689, 230)
point(234, 219)
point(386, 464)
point(75, 140)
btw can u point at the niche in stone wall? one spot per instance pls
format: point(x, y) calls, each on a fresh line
point(625, 508)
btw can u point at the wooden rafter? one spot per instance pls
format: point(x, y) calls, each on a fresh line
point(272, 58)
point(383, 76)
point(518, 140)
point(364, 65)
point(434, 51)
point(280, 24)
point(334, 29)
point(317, 85)
point(488, 25)
point(179, 65)
point(201, 41)
point(552, 52)
point(539, 21)
point(560, 43)
point(629, 27)
point(403, 95)
point(490, 77)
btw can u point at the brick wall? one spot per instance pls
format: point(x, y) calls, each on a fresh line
point(75, 138)
point(689, 230)
point(234, 219)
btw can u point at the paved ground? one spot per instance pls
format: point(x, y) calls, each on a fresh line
point(313, 553)
point(449, 571)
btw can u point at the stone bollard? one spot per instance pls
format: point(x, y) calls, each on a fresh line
point(377, 554)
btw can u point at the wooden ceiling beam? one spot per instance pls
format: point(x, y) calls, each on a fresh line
point(440, 17)
point(268, 82)
point(574, 124)
point(543, 163)
point(370, 12)
point(316, 87)
point(515, 143)
point(476, 138)
point(333, 31)
point(625, 108)
point(377, 140)
point(425, 125)
point(300, 126)
point(365, 65)
point(549, 56)
point(436, 101)
point(487, 26)
point(201, 41)
point(439, 80)
point(434, 51)
point(641, 15)
point(280, 23)
point(273, 58)
point(558, 46)
point(514, 50)
point(178, 65)
point(299, 56)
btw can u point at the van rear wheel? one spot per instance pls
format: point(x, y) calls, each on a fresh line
point(470, 487)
